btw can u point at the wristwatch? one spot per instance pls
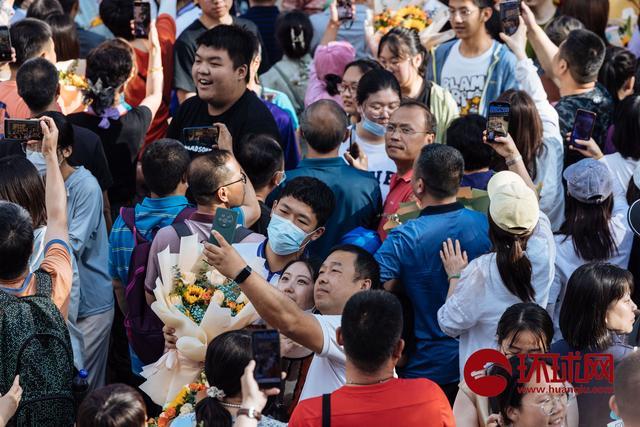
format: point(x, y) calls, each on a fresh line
point(250, 412)
point(242, 276)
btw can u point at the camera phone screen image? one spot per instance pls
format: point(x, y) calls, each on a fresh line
point(202, 139)
point(583, 125)
point(498, 121)
point(5, 43)
point(344, 10)
point(141, 18)
point(266, 353)
point(510, 16)
point(23, 130)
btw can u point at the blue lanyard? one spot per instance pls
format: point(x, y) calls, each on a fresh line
point(21, 289)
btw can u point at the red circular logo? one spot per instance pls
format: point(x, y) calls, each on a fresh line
point(475, 373)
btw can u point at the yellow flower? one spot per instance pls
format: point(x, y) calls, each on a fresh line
point(193, 294)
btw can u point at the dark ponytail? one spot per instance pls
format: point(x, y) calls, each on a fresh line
point(514, 266)
point(227, 356)
point(108, 68)
point(331, 82)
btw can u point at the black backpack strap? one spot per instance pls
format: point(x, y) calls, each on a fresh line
point(181, 229)
point(43, 283)
point(326, 410)
point(241, 234)
point(129, 217)
point(184, 215)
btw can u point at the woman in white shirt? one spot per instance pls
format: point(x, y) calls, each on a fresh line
point(519, 268)
point(595, 228)
point(626, 159)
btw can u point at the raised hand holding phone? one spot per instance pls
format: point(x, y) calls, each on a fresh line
point(224, 222)
point(265, 345)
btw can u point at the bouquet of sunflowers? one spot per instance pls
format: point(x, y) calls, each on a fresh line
point(183, 403)
point(200, 304)
point(407, 17)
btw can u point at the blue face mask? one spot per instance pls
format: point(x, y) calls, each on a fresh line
point(38, 161)
point(373, 127)
point(285, 237)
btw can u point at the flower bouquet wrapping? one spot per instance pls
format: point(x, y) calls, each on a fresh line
point(200, 304)
point(72, 83)
point(183, 403)
point(407, 17)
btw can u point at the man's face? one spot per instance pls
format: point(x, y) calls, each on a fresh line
point(408, 138)
point(236, 187)
point(336, 282)
point(215, 77)
point(297, 212)
point(467, 19)
point(215, 9)
point(49, 52)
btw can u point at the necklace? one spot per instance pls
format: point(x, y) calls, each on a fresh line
point(375, 382)
point(230, 405)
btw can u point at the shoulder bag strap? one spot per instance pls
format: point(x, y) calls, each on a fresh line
point(286, 81)
point(181, 229)
point(326, 410)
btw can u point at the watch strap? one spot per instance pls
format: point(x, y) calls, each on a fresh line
point(251, 413)
point(242, 276)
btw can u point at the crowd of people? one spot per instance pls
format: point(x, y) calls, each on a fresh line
point(398, 236)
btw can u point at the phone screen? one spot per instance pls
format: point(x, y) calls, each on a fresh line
point(22, 130)
point(141, 19)
point(498, 120)
point(225, 223)
point(5, 44)
point(344, 10)
point(510, 16)
point(583, 126)
point(200, 139)
point(266, 353)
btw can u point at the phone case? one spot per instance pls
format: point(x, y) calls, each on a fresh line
point(225, 223)
point(265, 346)
point(141, 26)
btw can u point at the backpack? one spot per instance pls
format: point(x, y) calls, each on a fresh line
point(144, 328)
point(34, 343)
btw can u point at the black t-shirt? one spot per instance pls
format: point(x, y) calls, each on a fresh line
point(262, 223)
point(185, 51)
point(248, 115)
point(121, 142)
point(87, 152)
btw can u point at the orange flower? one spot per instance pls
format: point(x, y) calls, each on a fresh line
point(206, 296)
point(170, 412)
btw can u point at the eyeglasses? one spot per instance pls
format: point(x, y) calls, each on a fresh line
point(464, 12)
point(243, 178)
point(406, 131)
point(549, 405)
point(343, 87)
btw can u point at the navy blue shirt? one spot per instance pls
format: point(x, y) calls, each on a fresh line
point(411, 254)
point(358, 199)
point(265, 19)
point(477, 180)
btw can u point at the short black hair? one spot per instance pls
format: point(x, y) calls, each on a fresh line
point(465, 135)
point(294, 33)
point(37, 81)
point(42, 9)
point(627, 127)
point(366, 265)
point(323, 125)
point(261, 157)
point(65, 128)
point(28, 37)
point(116, 16)
point(313, 193)
point(618, 67)
point(441, 168)
point(16, 240)
point(583, 51)
point(164, 165)
point(68, 5)
point(207, 173)
point(371, 328)
point(558, 28)
point(430, 123)
point(374, 81)
point(236, 41)
point(115, 405)
point(364, 65)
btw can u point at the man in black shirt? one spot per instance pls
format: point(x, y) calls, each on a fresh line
point(221, 74)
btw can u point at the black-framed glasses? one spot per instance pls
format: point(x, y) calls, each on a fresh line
point(404, 130)
point(243, 178)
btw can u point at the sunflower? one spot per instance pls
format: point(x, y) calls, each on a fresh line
point(193, 294)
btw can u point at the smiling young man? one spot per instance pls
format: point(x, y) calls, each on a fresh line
point(221, 74)
point(411, 127)
point(474, 68)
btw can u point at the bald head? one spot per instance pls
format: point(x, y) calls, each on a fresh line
point(324, 125)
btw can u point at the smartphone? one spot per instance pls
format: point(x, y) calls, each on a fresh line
point(498, 120)
point(22, 130)
point(510, 16)
point(354, 150)
point(200, 139)
point(583, 127)
point(225, 223)
point(265, 345)
point(345, 13)
point(141, 19)
point(5, 44)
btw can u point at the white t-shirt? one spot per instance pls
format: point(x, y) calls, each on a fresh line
point(327, 372)
point(379, 163)
point(249, 252)
point(621, 169)
point(465, 78)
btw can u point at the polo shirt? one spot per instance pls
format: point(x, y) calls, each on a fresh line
point(358, 199)
point(152, 214)
point(400, 191)
point(411, 254)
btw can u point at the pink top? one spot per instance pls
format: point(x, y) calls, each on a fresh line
point(328, 59)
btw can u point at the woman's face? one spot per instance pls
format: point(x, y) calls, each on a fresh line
point(348, 89)
point(620, 314)
point(379, 106)
point(405, 70)
point(525, 342)
point(546, 407)
point(296, 283)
